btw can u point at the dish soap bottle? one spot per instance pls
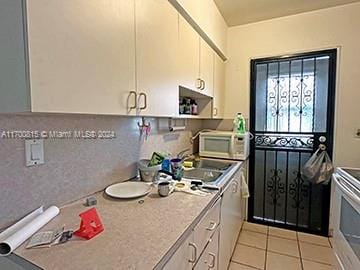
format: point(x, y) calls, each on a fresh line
point(239, 124)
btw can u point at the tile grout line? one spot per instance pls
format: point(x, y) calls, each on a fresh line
point(247, 245)
point(298, 243)
point(283, 254)
point(250, 266)
point(266, 247)
point(282, 237)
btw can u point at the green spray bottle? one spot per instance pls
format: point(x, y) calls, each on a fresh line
point(239, 124)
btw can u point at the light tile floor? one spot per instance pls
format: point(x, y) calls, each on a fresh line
point(269, 248)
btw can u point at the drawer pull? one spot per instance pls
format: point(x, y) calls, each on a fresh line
point(193, 260)
point(213, 256)
point(212, 226)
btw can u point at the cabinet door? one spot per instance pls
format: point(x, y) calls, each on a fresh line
point(189, 51)
point(156, 57)
point(209, 258)
point(82, 56)
point(183, 258)
point(237, 203)
point(207, 68)
point(230, 223)
point(219, 87)
point(244, 201)
point(207, 226)
point(14, 90)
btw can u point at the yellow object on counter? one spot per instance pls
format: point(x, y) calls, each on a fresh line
point(188, 164)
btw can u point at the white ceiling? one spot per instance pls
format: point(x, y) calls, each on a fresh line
point(236, 12)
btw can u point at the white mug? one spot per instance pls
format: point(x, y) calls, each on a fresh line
point(165, 188)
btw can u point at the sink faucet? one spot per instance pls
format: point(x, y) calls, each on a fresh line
point(181, 155)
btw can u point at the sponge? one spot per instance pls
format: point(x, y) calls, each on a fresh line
point(188, 164)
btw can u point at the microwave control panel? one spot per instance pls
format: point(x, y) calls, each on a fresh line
point(241, 145)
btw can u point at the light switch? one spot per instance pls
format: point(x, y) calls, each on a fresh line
point(34, 152)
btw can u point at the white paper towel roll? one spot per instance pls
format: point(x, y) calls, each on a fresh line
point(17, 234)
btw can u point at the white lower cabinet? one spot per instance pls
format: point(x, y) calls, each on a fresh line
point(184, 257)
point(205, 229)
point(213, 239)
point(231, 220)
point(209, 258)
point(203, 240)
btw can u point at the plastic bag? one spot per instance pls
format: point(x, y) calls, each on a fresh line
point(318, 169)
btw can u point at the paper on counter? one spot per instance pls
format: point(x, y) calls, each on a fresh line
point(18, 233)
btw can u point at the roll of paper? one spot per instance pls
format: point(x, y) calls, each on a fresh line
point(18, 233)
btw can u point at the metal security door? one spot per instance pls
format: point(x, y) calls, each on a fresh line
point(292, 111)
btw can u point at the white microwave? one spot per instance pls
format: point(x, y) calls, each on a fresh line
point(224, 144)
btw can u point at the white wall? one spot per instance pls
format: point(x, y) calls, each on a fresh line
point(327, 28)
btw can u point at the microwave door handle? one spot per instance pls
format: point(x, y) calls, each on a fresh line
point(345, 189)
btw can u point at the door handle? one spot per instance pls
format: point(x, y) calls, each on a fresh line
point(193, 259)
point(145, 101)
point(135, 100)
point(213, 256)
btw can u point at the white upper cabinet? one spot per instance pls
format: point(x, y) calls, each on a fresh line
point(82, 56)
point(156, 57)
point(207, 17)
point(189, 50)
point(14, 87)
point(219, 87)
point(206, 69)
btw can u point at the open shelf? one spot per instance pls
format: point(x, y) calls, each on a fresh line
point(204, 103)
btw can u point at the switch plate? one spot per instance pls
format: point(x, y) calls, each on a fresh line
point(34, 152)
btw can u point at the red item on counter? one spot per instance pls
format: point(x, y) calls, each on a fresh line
point(90, 224)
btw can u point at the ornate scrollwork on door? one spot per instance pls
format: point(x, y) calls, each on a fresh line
point(275, 187)
point(299, 190)
point(275, 140)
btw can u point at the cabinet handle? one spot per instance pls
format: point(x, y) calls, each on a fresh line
point(213, 256)
point(235, 187)
point(204, 85)
point(193, 260)
point(135, 100)
point(215, 111)
point(198, 83)
point(145, 101)
point(212, 226)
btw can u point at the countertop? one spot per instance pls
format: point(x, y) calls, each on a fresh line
point(136, 236)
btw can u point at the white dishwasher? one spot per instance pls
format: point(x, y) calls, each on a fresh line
point(232, 217)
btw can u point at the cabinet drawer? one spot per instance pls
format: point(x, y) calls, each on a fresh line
point(206, 227)
point(209, 258)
